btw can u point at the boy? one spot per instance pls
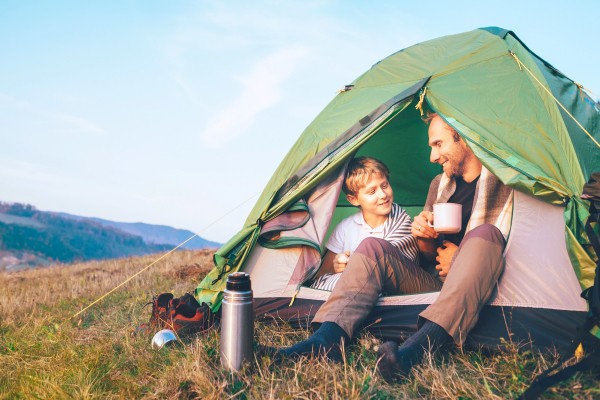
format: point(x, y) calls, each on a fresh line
point(367, 187)
point(380, 223)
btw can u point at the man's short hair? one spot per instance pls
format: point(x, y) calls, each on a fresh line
point(431, 115)
point(359, 172)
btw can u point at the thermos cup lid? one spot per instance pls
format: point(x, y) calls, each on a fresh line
point(239, 281)
point(163, 337)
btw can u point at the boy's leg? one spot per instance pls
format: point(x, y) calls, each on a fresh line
point(375, 267)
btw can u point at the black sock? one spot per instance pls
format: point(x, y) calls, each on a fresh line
point(431, 336)
point(398, 362)
point(327, 340)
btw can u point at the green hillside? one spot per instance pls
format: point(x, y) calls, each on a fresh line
point(26, 230)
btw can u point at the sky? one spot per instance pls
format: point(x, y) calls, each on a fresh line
point(178, 112)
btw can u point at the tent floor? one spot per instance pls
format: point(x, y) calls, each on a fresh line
point(497, 326)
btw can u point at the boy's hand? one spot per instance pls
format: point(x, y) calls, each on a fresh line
point(340, 261)
point(445, 253)
point(421, 226)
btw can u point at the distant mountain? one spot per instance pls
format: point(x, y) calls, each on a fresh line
point(156, 234)
point(30, 238)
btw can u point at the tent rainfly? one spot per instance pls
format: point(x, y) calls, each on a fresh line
point(534, 128)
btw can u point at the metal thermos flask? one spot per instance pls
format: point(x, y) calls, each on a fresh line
point(237, 322)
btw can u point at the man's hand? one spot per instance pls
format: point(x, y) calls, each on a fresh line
point(420, 227)
point(340, 261)
point(425, 234)
point(445, 253)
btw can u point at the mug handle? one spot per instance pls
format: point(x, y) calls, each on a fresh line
point(429, 223)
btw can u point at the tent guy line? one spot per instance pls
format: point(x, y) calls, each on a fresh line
point(555, 99)
point(131, 277)
point(161, 257)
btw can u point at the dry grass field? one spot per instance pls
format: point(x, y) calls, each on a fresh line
point(47, 354)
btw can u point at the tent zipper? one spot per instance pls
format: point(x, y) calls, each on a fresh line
point(308, 275)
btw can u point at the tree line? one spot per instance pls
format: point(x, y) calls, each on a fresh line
point(65, 239)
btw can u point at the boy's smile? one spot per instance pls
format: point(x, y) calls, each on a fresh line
point(375, 200)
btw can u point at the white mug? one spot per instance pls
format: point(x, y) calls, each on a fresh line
point(447, 217)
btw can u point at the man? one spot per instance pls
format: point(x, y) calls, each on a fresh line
point(467, 269)
point(469, 262)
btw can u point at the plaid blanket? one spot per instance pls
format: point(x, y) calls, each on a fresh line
point(492, 204)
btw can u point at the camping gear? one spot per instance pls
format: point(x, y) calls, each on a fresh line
point(535, 129)
point(163, 337)
point(159, 314)
point(237, 322)
point(183, 315)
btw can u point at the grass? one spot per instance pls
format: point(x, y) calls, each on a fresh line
point(45, 353)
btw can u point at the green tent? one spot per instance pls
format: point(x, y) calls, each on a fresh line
point(530, 125)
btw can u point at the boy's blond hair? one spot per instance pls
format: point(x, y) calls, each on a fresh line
point(360, 171)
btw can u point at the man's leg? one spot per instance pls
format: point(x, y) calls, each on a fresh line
point(477, 266)
point(473, 275)
point(375, 267)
